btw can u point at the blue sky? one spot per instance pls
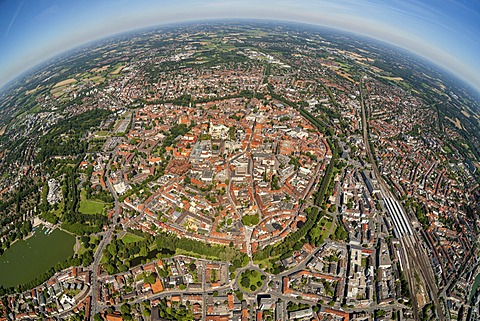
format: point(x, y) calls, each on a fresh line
point(446, 32)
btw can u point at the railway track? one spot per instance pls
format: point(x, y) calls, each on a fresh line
point(412, 256)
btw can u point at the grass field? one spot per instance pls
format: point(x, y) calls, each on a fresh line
point(326, 228)
point(255, 280)
point(59, 91)
point(119, 68)
point(56, 90)
point(97, 79)
point(392, 78)
point(91, 207)
point(266, 262)
point(193, 254)
point(102, 134)
point(103, 68)
point(35, 109)
point(65, 82)
point(131, 238)
point(82, 248)
point(28, 92)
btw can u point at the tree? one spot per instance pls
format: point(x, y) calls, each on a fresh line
point(340, 233)
point(245, 281)
point(150, 279)
point(87, 258)
point(274, 184)
point(126, 309)
point(98, 317)
point(110, 268)
point(380, 313)
point(112, 248)
point(250, 220)
point(239, 295)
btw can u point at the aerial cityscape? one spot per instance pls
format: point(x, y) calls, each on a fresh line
point(239, 170)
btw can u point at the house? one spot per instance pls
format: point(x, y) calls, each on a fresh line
point(113, 317)
point(300, 314)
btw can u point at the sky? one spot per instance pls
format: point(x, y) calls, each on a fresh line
point(446, 32)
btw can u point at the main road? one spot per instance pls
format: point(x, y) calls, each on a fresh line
point(95, 308)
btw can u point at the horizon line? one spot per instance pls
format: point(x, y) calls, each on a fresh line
point(57, 55)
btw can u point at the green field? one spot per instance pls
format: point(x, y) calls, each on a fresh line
point(82, 248)
point(28, 259)
point(263, 264)
point(102, 133)
point(326, 228)
point(91, 207)
point(250, 280)
point(131, 238)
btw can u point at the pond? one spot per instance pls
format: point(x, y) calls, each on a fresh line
point(28, 259)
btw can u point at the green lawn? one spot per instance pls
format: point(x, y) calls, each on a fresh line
point(82, 248)
point(102, 134)
point(253, 278)
point(193, 254)
point(131, 238)
point(326, 229)
point(266, 262)
point(91, 207)
point(59, 211)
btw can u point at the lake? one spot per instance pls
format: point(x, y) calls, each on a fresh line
point(27, 259)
